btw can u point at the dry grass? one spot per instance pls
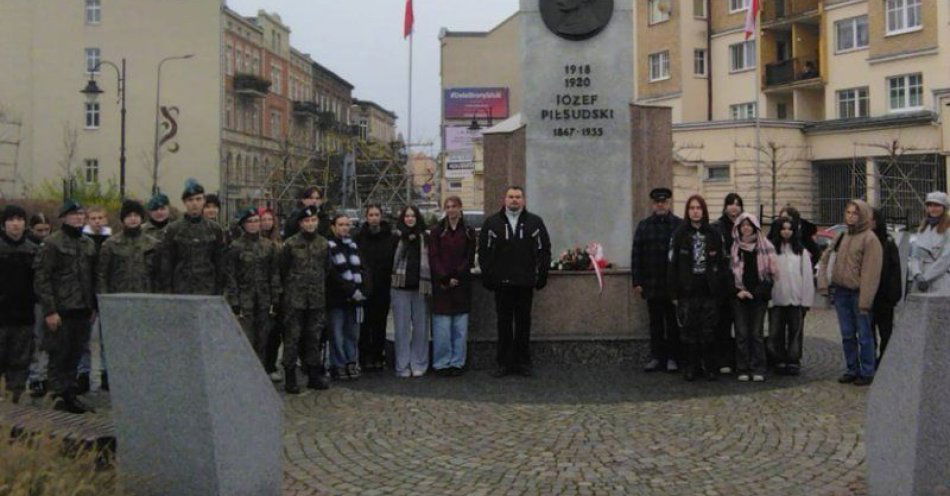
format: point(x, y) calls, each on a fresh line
point(40, 466)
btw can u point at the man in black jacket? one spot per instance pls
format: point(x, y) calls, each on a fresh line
point(648, 265)
point(16, 299)
point(514, 255)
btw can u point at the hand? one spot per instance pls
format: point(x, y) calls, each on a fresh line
point(92, 318)
point(453, 283)
point(864, 311)
point(676, 303)
point(53, 321)
point(638, 290)
point(272, 311)
point(744, 295)
point(541, 284)
point(922, 285)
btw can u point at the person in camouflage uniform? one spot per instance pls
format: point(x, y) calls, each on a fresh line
point(16, 299)
point(253, 281)
point(158, 216)
point(127, 261)
point(193, 249)
point(64, 283)
point(303, 264)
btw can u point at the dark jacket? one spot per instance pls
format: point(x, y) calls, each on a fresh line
point(714, 281)
point(342, 258)
point(890, 290)
point(128, 263)
point(253, 279)
point(650, 254)
point(376, 252)
point(724, 227)
point(303, 272)
point(16, 273)
point(64, 277)
point(193, 257)
point(519, 257)
point(451, 254)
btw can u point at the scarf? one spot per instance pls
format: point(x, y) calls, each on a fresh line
point(933, 221)
point(766, 259)
point(401, 261)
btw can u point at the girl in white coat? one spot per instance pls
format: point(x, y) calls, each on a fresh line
point(929, 264)
point(792, 295)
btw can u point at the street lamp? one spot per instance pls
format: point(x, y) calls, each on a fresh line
point(158, 93)
point(92, 92)
point(475, 126)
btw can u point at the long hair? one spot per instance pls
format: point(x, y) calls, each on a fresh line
point(795, 242)
point(420, 221)
point(942, 226)
point(702, 203)
point(274, 233)
point(730, 199)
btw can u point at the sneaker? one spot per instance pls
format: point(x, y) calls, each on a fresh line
point(38, 389)
point(725, 370)
point(403, 375)
point(847, 378)
point(671, 365)
point(418, 373)
point(758, 378)
point(456, 371)
point(353, 370)
point(743, 378)
point(652, 366)
point(863, 381)
point(275, 376)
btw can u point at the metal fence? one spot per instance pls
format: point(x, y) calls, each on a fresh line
point(836, 182)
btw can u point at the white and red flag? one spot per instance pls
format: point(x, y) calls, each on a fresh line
point(408, 21)
point(751, 16)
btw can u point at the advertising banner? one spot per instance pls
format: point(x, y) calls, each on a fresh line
point(478, 103)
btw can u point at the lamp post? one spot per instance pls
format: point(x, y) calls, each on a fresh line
point(158, 94)
point(92, 92)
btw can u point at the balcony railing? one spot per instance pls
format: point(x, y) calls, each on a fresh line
point(251, 85)
point(776, 10)
point(305, 109)
point(789, 71)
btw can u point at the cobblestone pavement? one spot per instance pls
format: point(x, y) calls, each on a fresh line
point(586, 431)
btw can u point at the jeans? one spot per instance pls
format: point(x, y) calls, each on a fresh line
point(345, 335)
point(449, 336)
point(85, 363)
point(857, 337)
point(664, 333)
point(785, 335)
point(411, 319)
point(749, 316)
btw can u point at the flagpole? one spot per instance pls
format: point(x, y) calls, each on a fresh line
point(756, 82)
point(409, 132)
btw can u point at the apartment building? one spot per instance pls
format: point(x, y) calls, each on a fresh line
point(376, 124)
point(853, 97)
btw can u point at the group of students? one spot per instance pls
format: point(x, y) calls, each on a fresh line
point(711, 286)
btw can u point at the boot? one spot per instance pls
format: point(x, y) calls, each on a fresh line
point(68, 402)
point(38, 389)
point(317, 379)
point(290, 380)
point(104, 381)
point(82, 383)
point(692, 362)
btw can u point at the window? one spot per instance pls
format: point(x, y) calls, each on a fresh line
point(275, 79)
point(93, 12)
point(906, 92)
point(699, 8)
point(781, 111)
point(737, 5)
point(229, 60)
point(275, 130)
point(228, 112)
point(455, 185)
point(91, 170)
point(717, 173)
point(853, 103)
point(659, 66)
point(903, 16)
point(92, 60)
point(659, 10)
point(742, 111)
point(699, 62)
point(852, 33)
point(742, 55)
point(92, 115)
point(240, 60)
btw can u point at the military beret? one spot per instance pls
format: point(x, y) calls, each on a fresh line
point(157, 201)
point(192, 188)
point(310, 211)
point(245, 214)
point(69, 206)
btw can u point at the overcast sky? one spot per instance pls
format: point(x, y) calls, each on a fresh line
point(361, 40)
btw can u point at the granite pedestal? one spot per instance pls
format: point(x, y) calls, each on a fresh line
point(194, 411)
point(908, 418)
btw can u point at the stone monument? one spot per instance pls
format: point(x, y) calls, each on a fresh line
point(577, 62)
point(908, 418)
point(195, 413)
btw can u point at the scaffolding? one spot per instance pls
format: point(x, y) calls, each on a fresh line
point(10, 132)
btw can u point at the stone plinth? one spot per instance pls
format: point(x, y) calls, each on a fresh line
point(908, 418)
point(576, 109)
point(194, 411)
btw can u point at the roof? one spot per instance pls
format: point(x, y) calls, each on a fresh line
point(369, 103)
point(334, 76)
point(890, 120)
point(446, 33)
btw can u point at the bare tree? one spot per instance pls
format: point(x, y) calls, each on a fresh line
point(780, 159)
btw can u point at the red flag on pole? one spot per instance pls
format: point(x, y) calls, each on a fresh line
point(409, 21)
point(750, 18)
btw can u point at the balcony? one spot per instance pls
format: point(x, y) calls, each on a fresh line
point(306, 109)
point(792, 71)
point(251, 85)
point(779, 11)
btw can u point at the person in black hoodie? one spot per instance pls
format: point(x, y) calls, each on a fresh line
point(16, 299)
point(725, 345)
point(890, 289)
point(697, 279)
point(514, 252)
point(377, 247)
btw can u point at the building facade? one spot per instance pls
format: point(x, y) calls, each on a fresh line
point(853, 97)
